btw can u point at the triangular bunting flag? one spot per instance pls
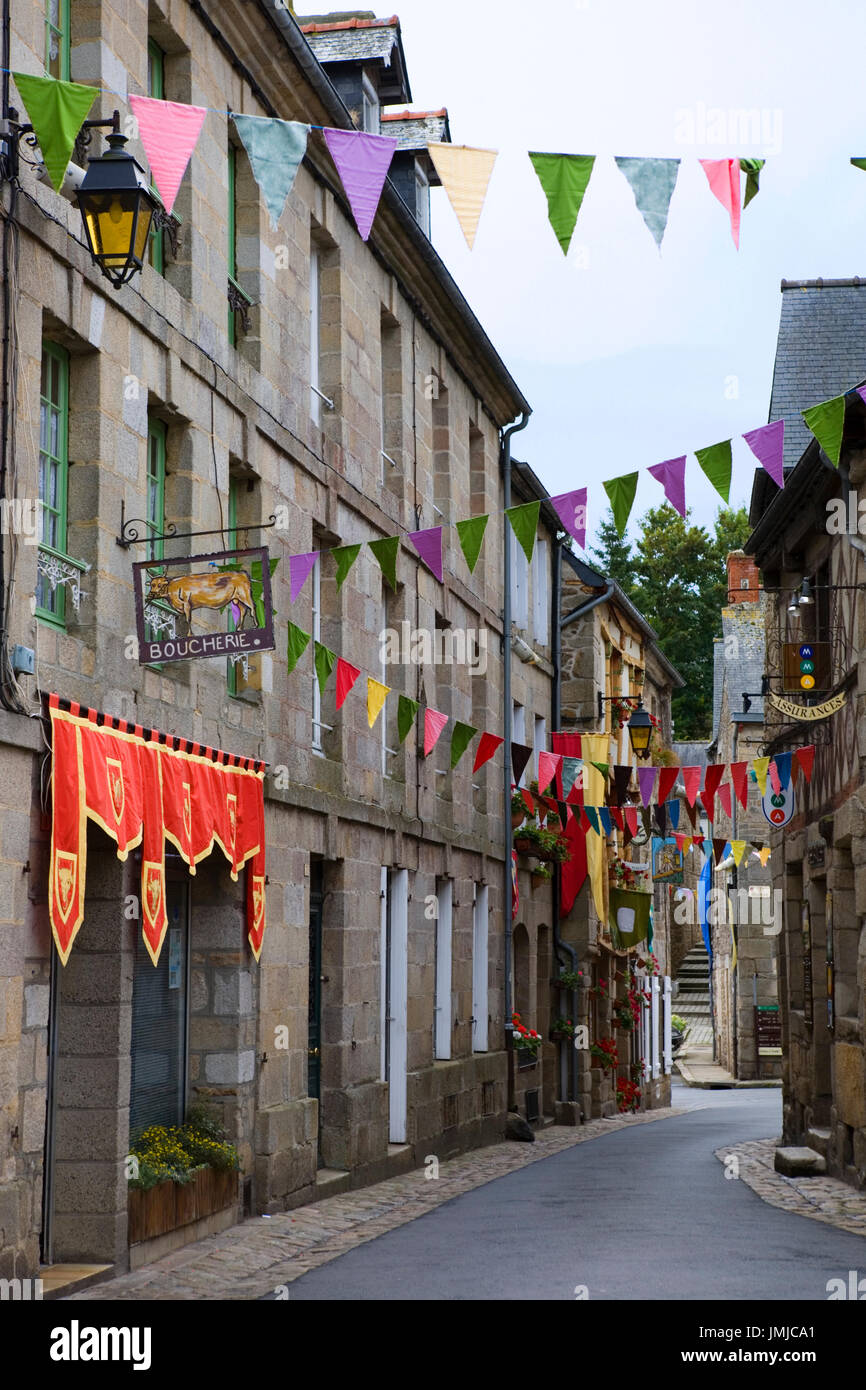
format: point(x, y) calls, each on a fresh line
point(520, 756)
point(386, 553)
point(725, 798)
point(661, 818)
point(667, 778)
point(434, 723)
point(712, 777)
point(406, 711)
point(719, 847)
point(565, 813)
point(826, 422)
point(645, 819)
point(344, 558)
point(275, 150)
point(652, 182)
point(571, 509)
point(715, 461)
point(465, 174)
point(858, 163)
point(592, 817)
point(738, 848)
point(527, 799)
point(672, 476)
point(775, 782)
point(630, 813)
point(470, 533)
point(604, 818)
point(603, 768)
point(362, 162)
point(768, 446)
point(487, 746)
point(460, 740)
point(752, 170)
point(346, 677)
point(692, 815)
point(616, 813)
point(564, 178)
point(169, 132)
point(805, 757)
point(300, 567)
point(429, 547)
point(571, 771)
point(549, 765)
point(760, 766)
point(740, 783)
point(674, 812)
point(646, 777)
point(524, 524)
point(298, 643)
point(691, 782)
point(764, 856)
point(723, 176)
point(324, 661)
point(57, 111)
point(377, 694)
point(620, 492)
point(621, 780)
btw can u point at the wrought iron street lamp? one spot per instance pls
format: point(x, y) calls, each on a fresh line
point(117, 205)
point(640, 731)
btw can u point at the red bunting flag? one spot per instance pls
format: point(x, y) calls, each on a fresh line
point(805, 757)
point(526, 798)
point(487, 746)
point(631, 818)
point(712, 777)
point(346, 677)
point(680, 841)
point(616, 813)
point(740, 783)
point(434, 723)
point(725, 798)
point(548, 766)
point(667, 778)
point(691, 782)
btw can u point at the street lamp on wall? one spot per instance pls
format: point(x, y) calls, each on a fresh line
point(640, 731)
point(117, 206)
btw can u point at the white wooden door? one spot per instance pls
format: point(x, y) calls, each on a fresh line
point(654, 1025)
point(667, 1049)
point(480, 1004)
point(442, 1014)
point(398, 990)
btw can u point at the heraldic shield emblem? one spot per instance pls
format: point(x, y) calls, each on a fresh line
point(114, 770)
point(65, 881)
point(258, 904)
point(152, 887)
point(187, 812)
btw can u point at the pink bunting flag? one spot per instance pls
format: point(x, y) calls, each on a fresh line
point(723, 176)
point(725, 798)
point(691, 782)
point(768, 446)
point(548, 766)
point(299, 571)
point(429, 547)
point(775, 779)
point(672, 476)
point(646, 777)
point(362, 162)
point(434, 723)
point(571, 510)
point(169, 132)
point(861, 392)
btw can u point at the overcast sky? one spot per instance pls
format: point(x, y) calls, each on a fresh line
point(629, 357)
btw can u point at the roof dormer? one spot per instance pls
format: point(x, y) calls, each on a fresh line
point(363, 56)
point(413, 172)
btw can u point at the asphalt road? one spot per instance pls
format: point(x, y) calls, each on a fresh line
point(641, 1213)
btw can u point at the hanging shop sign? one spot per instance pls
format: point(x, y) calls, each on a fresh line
point(808, 713)
point(667, 861)
point(778, 807)
point(806, 666)
point(203, 606)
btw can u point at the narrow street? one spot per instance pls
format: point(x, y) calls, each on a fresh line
point(642, 1213)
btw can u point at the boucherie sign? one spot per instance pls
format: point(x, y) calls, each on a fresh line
point(203, 606)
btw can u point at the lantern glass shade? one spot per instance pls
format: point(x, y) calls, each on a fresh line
point(640, 732)
point(117, 206)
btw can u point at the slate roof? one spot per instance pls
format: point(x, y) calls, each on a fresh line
point(359, 38)
point(413, 129)
point(690, 754)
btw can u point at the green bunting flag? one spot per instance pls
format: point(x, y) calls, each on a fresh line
point(471, 535)
point(603, 768)
point(826, 421)
point(57, 111)
point(344, 558)
point(386, 553)
point(407, 711)
point(715, 460)
point(564, 178)
point(298, 643)
point(859, 163)
point(460, 740)
point(524, 524)
point(752, 170)
point(257, 589)
point(621, 493)
point(324, 661)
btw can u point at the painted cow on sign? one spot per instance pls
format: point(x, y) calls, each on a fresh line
point(190, 591)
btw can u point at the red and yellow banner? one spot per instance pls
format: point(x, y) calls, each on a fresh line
point(144, 791)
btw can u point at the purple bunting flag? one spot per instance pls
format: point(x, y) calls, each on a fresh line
point(571, 510)
point(362, 162)
point(299, 570)
point(646, 777)
point(672, 476)
point(429, 547)
point(768, 444)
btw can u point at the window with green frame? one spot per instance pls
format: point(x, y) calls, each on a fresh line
point(53, 474)
point(156, 88)
point(57, 39)
point(155, 508)
point(232, 249)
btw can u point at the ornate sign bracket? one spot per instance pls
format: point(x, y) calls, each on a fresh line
point(129, 533)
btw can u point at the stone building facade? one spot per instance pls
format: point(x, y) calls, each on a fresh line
point(346, 388)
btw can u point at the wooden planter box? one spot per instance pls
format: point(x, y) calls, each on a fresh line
point(169, 1205)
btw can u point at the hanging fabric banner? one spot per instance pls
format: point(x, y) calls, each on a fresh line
point(429, 547)
point(344, 558)
point(488, 744)
point(407, 711)
point(826, 421)
point(460, 740)
point(564, 178)
point(723, 176)
point(672, 476)
point(362, 162)
point(169, 132)
point(520, 756)
point(470, 533)
point(620, 492)
point(298, 643)
point(386, 552)
point(57, 111)
point(434, 723)
point(805, 757)
point(346, 677)
point(300, 567)
point(142, 793)
point(275, 150)
point(768, 446)
point(740, 782)
point(570, 507)
point(324, 661)
point(652, 182)
point(524, 524)
point(629, 919)
point(752, 170)
point(377, 694)
point(715, 461)
point(465, 175)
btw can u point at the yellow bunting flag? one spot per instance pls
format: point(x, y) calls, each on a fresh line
point(377, 693)
point(738, 849)
point(761, 765)
point(763, 855)
point(465, 175)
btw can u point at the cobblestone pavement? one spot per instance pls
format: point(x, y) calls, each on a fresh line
point(824, 1199)
point(258, 1256)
